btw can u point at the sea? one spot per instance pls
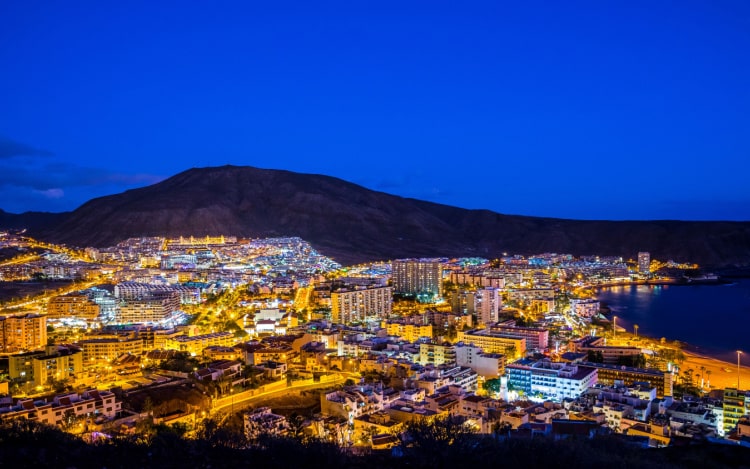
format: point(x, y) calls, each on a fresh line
point(711, 319)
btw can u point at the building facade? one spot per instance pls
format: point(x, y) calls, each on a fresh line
point(361, 303)
point(418, 277)
point(74, 305)
point(512, 346)
point(25, 332)
point(644, 263)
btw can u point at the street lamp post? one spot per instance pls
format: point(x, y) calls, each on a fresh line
point(739, 352)
point(614, 327)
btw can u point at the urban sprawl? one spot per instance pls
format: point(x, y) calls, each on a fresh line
point(158, 331)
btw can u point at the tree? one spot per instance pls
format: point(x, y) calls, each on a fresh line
point(634, 361)
point(433, 442)
point(296, 425)
point(492, 386)
point(60, 386)
point(148, 407)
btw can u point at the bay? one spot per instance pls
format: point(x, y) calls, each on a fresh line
point(713, 319)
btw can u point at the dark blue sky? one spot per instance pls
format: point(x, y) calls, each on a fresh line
point(601, 109)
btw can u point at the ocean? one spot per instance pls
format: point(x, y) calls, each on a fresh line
point(713, 319)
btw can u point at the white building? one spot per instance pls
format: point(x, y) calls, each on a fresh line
point(490, 304)
point(486, 365)
point(553, 381)
point(262, 421)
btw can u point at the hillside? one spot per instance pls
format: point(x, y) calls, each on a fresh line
point(351, 223)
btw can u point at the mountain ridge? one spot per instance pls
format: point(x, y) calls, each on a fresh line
point(352, 224)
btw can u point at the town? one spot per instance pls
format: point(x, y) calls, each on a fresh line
point(270, 337)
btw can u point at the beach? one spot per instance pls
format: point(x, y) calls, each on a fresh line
point(719, 377)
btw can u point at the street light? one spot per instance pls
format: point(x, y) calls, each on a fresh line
point(739, 352)
point(614, 326)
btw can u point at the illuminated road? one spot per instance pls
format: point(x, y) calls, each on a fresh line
point(237, 403)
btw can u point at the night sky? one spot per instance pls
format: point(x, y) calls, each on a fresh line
point(594, 110)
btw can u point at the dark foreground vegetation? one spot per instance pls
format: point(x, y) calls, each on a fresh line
point(29, 444)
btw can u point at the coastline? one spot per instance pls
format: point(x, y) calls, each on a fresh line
point(719, 378)
point(720, 361)
point(723, 372)
point(696, 357)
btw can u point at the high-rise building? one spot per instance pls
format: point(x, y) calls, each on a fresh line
point(26, 332)
point(644, 263)
point(360, 303)
point(418, 277)
point(490, 304)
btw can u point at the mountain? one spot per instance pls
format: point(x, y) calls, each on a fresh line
point(30, 220)
point(351, 223)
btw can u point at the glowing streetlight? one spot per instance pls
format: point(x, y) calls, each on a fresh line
point(614, 326)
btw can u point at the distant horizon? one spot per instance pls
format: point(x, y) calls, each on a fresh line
point(368, 188)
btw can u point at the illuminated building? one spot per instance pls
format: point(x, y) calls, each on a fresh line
point(490, 304)
point(486, 365)
point(436, 354)
point(409, 332)
point(155, 308)
point(57, 362)
point(537, 338)
point(644, 263)
point(614, 375)
point(26, 332)
point(610, 354)
point(418, 277)
point(255, 354)
point(196, 344)
point(585, 308)
point(262, 421)
point(102, 350)
point(74, 305)
point(133, 291)
point(551, 380)
point(92, 402)
point(512, 346)
point(734, 408)
point(360, 303)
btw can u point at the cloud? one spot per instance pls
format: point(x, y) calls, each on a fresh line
point(54, 193)
point(45, 176)
point(11, 148)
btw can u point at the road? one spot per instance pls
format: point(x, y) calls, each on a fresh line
point(234, 404)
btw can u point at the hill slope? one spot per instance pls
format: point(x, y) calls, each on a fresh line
point(352, 223)
point(30, 220)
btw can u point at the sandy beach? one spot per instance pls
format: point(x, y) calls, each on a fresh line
point(723, 374)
